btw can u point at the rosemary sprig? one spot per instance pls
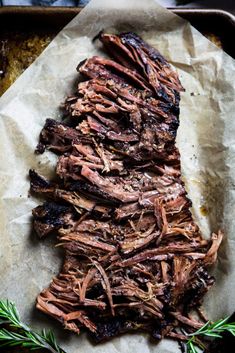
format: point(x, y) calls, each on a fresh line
point(23, 335)
point(213, 330)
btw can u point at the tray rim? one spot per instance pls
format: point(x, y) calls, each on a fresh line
point(210, 11)
point(76, 9)
point(53, 10)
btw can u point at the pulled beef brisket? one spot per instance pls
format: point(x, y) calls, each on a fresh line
point(134, 257)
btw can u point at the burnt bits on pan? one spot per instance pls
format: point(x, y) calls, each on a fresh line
point(134, 257)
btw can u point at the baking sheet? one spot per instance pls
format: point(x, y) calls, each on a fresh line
point(23, 41)
point(205, 139)
point(19, 48)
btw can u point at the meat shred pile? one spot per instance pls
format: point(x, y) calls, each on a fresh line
point(134, 257)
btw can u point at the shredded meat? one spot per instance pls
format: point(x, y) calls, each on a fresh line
point(134, 257)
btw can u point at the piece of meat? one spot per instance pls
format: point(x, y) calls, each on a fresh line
point(52, 216)
point(147, 60)
point(108, 187)
point(134, 258)
point(121, 71)
point(39, 184)
point(57, 137)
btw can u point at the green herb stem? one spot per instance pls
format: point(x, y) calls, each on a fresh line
point(212, 330)
point(24, 335)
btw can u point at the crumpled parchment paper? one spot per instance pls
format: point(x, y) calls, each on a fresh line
point(206, 139)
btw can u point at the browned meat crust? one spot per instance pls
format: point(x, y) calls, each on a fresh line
point(134, 257)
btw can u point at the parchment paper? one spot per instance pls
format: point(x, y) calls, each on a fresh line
point(206, 139)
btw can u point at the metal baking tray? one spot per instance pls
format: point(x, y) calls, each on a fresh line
point(26, 31)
